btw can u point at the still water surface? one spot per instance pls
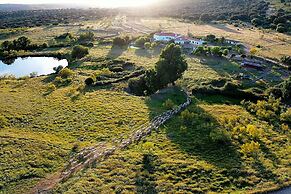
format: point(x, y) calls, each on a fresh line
point(25, 66)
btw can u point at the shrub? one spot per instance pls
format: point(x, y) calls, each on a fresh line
point(286, 116)
point(65, 73)
point(253, 131)
point(253, 51)
point(3, 122)
point(33, 75)
point(120, 42)
point(286, 60)
point(140, 42)
point(79, 52)
point(87, 36)
point(147, 45)
point(44, 45)
point(89, 81)
point(187, 117)
point(285, 128)
point(220, 136)
point(58, 69)
point(75, 148)
point(250, 148)
point(137, 86)
point(51, 87)
point(169, 104)
point(266, 110)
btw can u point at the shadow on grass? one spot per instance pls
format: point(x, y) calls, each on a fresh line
point(143, 53)
point(225, 28)
point(145, 181)
point(264, 172)
point(193, 137)
point(116, 52)
point(155, 102)
point(221, 65)
point(87, 89)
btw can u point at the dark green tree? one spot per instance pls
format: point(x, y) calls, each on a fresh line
point(171, 65)
point(7, 45)
point(22, 43)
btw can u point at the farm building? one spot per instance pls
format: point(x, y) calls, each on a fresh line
point(165, 37)
point(177, 38)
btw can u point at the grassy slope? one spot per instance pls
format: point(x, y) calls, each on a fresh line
point(51, 124)
point(43, 128)
point(184, 160)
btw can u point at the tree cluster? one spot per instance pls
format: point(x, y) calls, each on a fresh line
point(214, 51)
point(121, 41)
point(168, 69)
point(32, 18)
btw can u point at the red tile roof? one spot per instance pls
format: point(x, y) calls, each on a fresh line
point(167, 34)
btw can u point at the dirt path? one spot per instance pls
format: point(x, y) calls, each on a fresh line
point(100, 152)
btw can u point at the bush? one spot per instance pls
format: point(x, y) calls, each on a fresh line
point(44, 45)
point(65, 73)
point(140, 42)
point(266, 110)
point(220, 136)
point(137, 86)
point(89, 81)
point(250, 148)
point(87, 36)
point(254, 131)
point(51, 87)
point(147, 45)
point(120, 42)
point(187, 117)
point(286, 116)
point(3, 122)
point(286, 60)
point(58, 69)
point(79, 52)
point(169, 104)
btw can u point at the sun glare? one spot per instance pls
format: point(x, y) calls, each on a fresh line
point(124, 3)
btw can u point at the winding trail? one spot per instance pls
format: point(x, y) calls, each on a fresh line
point(100, 152)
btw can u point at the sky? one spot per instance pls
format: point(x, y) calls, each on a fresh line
point(101, 3)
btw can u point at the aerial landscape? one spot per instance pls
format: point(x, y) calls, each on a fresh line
point(145, 96)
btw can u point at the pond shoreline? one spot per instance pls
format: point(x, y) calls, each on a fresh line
point(57, 55)
point(31, 66)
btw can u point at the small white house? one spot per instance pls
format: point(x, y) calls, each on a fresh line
point(165, 37)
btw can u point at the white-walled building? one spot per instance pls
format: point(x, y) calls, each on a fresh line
point(177, 38)
point(165, 37)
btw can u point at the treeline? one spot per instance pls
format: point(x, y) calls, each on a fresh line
point(254, 11)
point(257, 12)
point(32, 18)
point(22, 43)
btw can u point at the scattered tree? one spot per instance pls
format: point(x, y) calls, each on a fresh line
point(79, 52)
point(171, 65)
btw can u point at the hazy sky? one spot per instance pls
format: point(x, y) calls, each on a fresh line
point(103, 3)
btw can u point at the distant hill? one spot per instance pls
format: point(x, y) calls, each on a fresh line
point(18, 7)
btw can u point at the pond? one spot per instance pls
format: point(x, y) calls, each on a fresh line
point(20, 67)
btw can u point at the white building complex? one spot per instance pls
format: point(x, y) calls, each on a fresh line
point(177, 38)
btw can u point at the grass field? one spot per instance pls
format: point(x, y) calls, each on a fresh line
point(181, 158)
point(43, 128)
